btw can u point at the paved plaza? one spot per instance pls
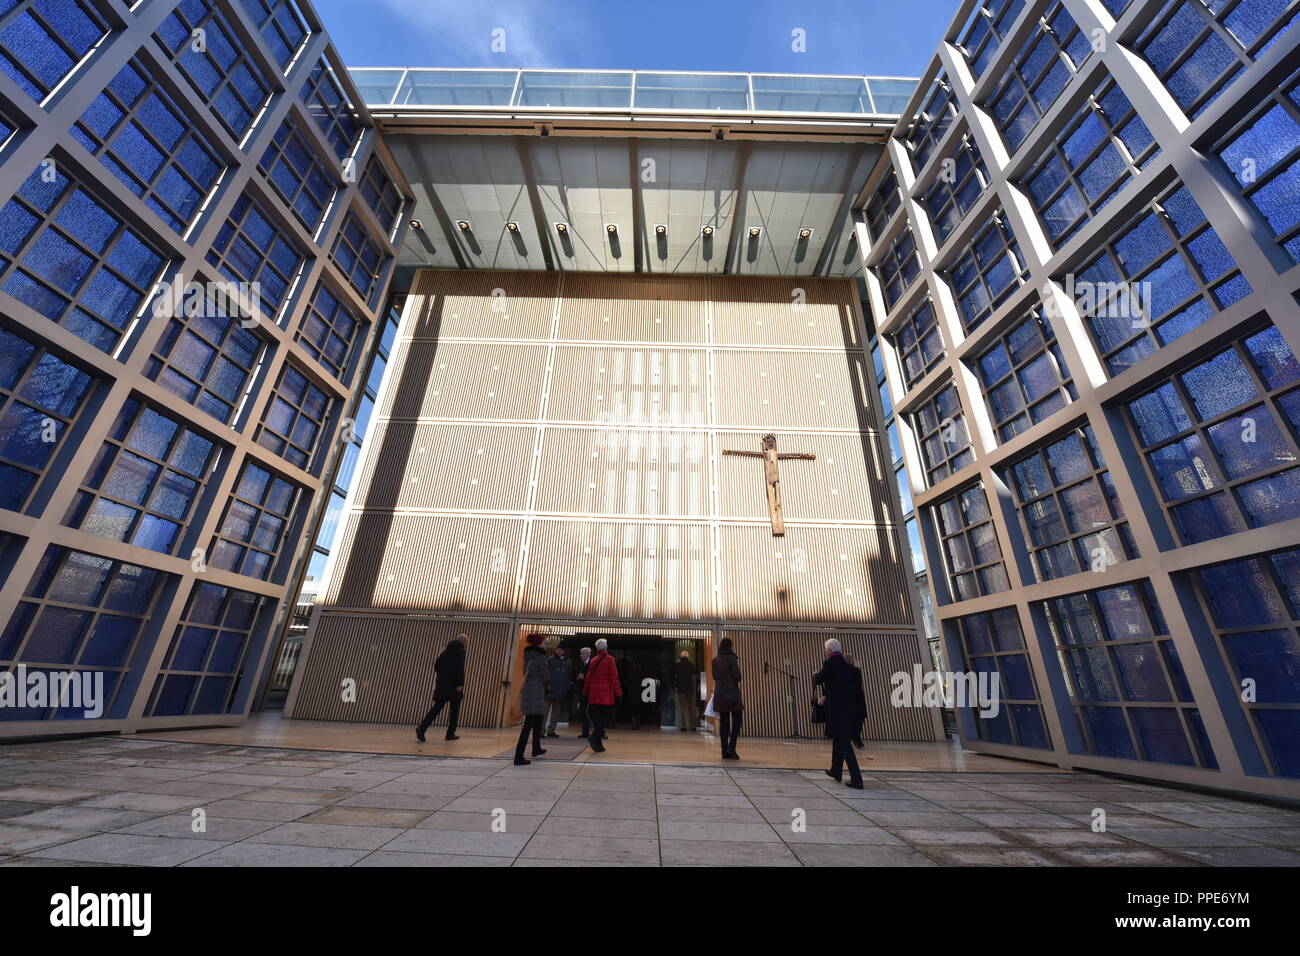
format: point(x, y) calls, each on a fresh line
point(124, 801)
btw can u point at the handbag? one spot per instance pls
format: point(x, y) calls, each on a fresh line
point(817, 712)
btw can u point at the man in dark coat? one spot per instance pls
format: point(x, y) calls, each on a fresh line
point(839, 683)
point(861, 698)
point(448, 686)
point(561, 685)
point(579, 676)
point(686, 682)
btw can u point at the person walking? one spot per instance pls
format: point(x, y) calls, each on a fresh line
point(726, 697)
point(532, 698)
point(448, 687)
point(839, 684)
point(579, 676)
point(686, 683)
point(560, 677)
point(861, 701)
point(603, 693)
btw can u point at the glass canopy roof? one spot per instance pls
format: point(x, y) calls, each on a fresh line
point(633, 90)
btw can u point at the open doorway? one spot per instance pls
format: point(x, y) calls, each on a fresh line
point(645, 670)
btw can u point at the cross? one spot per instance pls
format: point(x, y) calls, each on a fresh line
point(773, 476)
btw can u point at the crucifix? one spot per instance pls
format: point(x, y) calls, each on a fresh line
point(773, 475)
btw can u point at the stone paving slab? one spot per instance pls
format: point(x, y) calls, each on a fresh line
point(123, 801)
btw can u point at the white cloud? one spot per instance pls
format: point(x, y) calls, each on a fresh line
point(460, 33)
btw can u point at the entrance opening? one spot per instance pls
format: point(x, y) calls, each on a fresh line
point(645, 670)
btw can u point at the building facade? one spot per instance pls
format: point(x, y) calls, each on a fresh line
point(1083, 249)
point(200, 224)
point(558, 453)
point(1073, 260)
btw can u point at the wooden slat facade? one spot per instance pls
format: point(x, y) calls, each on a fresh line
point(548, 448)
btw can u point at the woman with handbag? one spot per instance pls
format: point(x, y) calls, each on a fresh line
point(726, 697)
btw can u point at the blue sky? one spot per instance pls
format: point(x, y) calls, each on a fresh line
point(882, 37)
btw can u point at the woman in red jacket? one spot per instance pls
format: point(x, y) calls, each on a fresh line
point(603, 692)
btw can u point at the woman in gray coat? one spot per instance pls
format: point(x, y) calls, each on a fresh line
point(532, 697)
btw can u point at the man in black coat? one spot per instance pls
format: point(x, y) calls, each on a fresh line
point(448, 687)
point(687, 684)
point(839, 682)
point(862, 701)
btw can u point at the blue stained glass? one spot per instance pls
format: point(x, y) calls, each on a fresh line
point(1207, 518)
point(56, 636)
point(16, 224)
point(1211, 58)
point(1219, 384)
point(152, 434)
point(1279, 199)
point(1140, 672)
point(1272, 499)
point(58, 261)
point(173, 694)
point(86, 219)
point(1272, 659)
point(1251, 19)
point(1181, 468)
point(1231, 291)
point(1261, 146)
point(1018, 681)
point(1240, 595)
point(1142, 244)
point(21, 438)
point(1171, 284)
point(1029, 725)
point(143, 157)
point(1110, 733)
point(109, 641)
point(1210, 255)
point(134, 260)
point(1281, 728)
point(212, 696)
point(1249, 442)
point(1162, 735)
point(192, 649)
point(1068, 460)
point(225, 656)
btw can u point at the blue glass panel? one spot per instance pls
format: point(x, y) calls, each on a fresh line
point(1272, 659)
point(1110, 733)
point(1162, 735)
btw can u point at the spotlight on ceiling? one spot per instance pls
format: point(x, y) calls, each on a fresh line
point(562, 227)
point(805, 232)
point(755, 232)
point(661, 229)
point(416, 224)
point(611, 228)
point(512, 226)
point(706, 231)
point(462, 225)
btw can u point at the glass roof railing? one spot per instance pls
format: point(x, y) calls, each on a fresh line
point(634, 90)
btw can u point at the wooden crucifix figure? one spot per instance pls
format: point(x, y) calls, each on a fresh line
point(772, 473)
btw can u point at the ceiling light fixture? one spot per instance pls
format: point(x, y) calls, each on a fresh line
point(706, 231)
point(755, 232)
point(805, 232)
point(661, 229)
point(611, 228)
point(561, 227)
point(463, 225)
point(512, 226)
